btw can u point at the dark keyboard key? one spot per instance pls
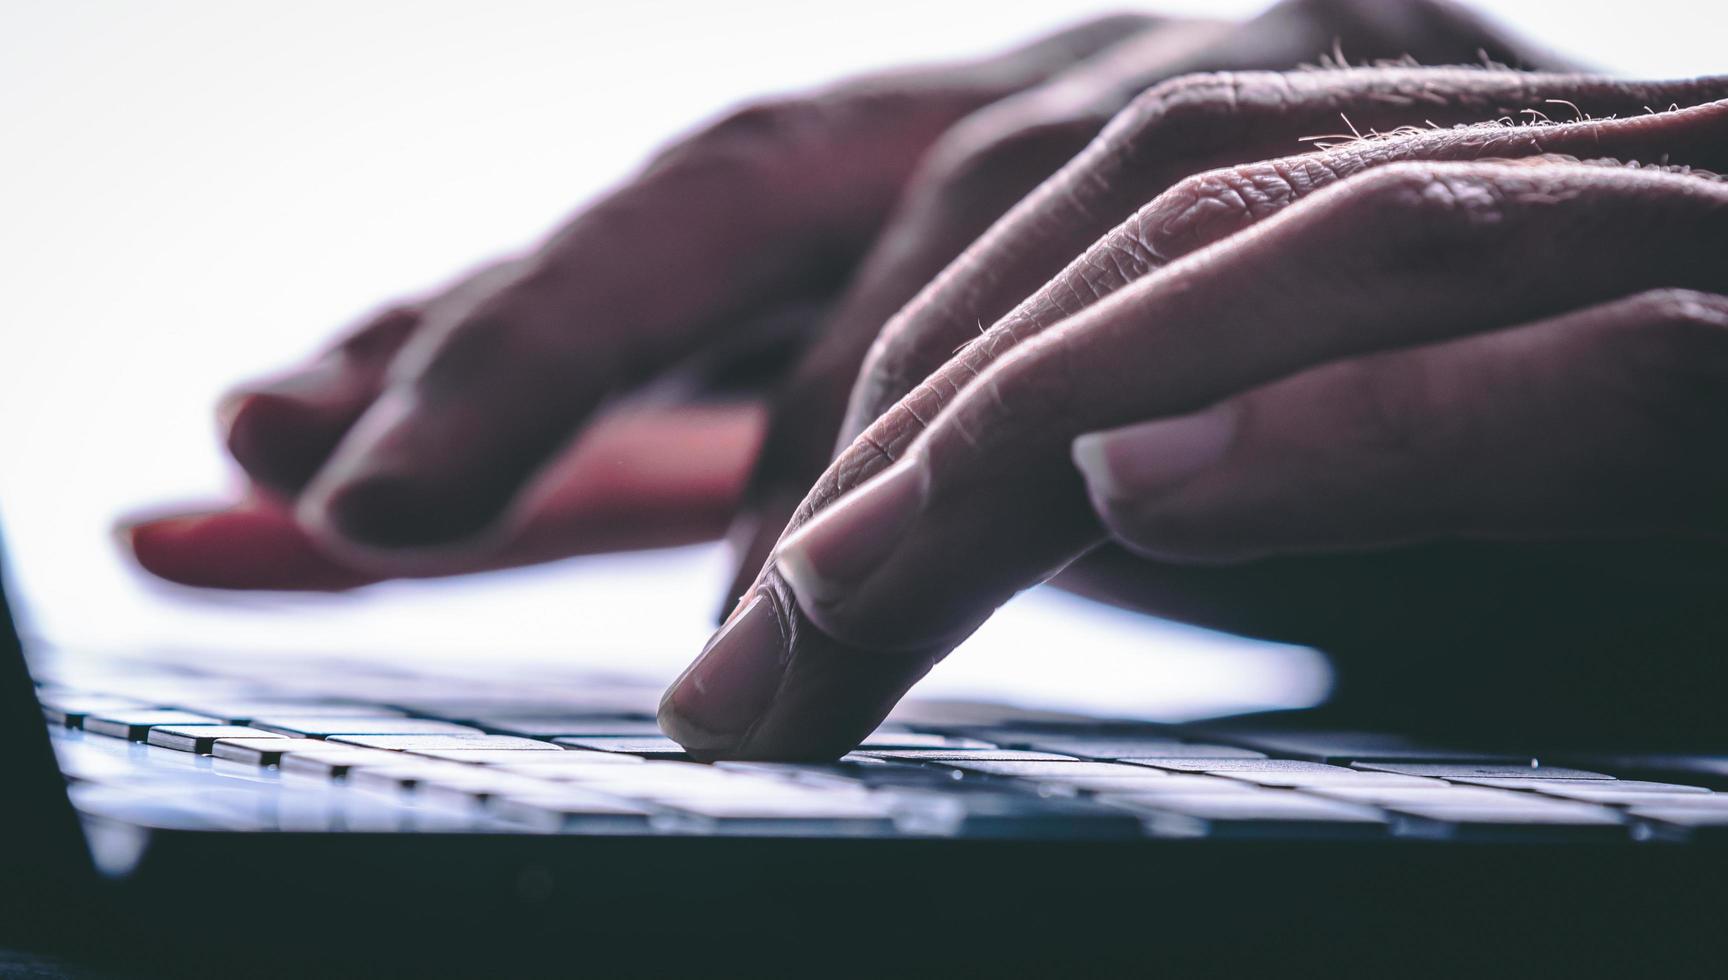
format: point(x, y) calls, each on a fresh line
point(1669, 801)
point(941, 715)
point(658, 747)
point(566, 727)
point(459, 707)
point(1317, 780)
point(333, 761)
point(268, 751)
point(1346, 747)
point(1005, 814)
point(867, 772)
point(200, 738)
point(401, 774)
point(1621, 792)
point(245, 712)
point(517, 759)
point(805, 813)
point(921, 740)
point(655, 780)
point(1440, 794)
point(135, 725)
point(1549, 819)
point(1240, 765)
point(1057, 771)
point(1164, 784)
point(1123, 746)
point(572, 810)
point(1705, 770)
point(1269, 813)
point(473, 786)
point(959, 755)
point(71, 709)
point(1443, 770)
point(444, 743)
point(316, 726)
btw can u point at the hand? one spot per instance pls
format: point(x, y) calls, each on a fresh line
point(429, 441)
point(438, 436)
point(1443, 334)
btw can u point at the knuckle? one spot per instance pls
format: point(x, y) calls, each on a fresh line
point(1426, 199)
point(1194, 102)
point(510, 338)
point(766, 122)
point(1015, 404)
point(1004, 145)
point(1420, 216)
point(380, 337)
point(1206, 207)
point(766, 135)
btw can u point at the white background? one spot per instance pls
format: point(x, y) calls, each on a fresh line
point(194, 192)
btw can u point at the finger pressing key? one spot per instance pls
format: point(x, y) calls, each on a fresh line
point(986, 502)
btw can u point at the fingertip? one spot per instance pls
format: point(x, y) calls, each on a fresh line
point(279, 438)
point(712, 707)
point(236, 548)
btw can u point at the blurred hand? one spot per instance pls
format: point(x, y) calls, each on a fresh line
point(460, 432)
point(1442, 334)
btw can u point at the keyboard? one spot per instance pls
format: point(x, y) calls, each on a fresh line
point(306, 745)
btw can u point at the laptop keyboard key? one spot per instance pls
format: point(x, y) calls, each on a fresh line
point(71, 709)
point(332, 761)
point(245, 712)
point(1262, 814)
point(1345, 747)
point(135, 725)
point(267, 750)
point(316, 726)
point(200, 739)
point(1056, 771)
point(445, 743)
point(566, 727)
point(657, 747)
point(1287, 766)
point(1621, 792)
point(1548, 819)
point(1442, 770)
point(1128, 747)
point(958, 755)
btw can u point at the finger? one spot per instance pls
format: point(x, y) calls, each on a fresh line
point(1211, 207)
point(986, 503)
point(1317, 282)
point(1596, 423)
point(1199, 124)
point(644, 478)
point(281, 429)
point(974, 173)
point(765, 206)
point(1000, 154)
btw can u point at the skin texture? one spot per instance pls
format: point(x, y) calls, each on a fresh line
point(410, 447)
point(1298, 263)
point(1098, 310)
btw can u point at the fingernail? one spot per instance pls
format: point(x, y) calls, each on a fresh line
point(1154, 457)
point(841, 546)
point(717, 701)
